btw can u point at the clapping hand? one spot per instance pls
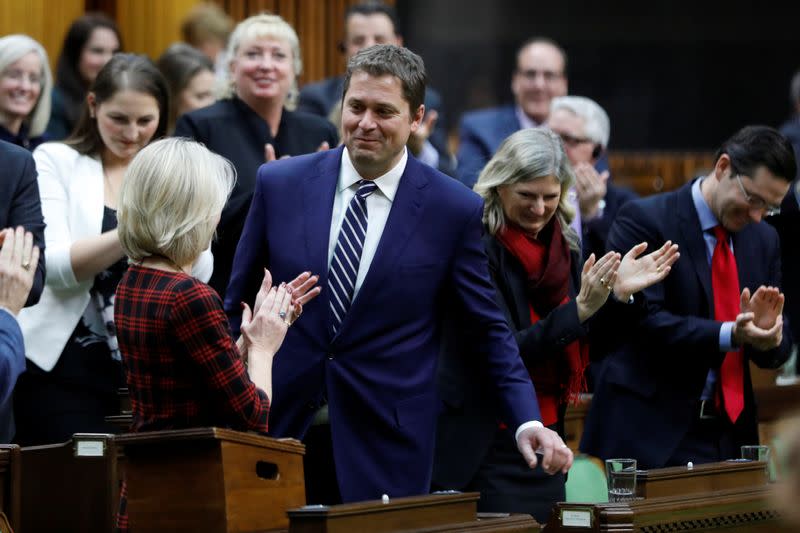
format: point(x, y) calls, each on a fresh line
point(19, 259)
point(597, 278)
point(760, 322)
point(591, 188)
point(636, 273)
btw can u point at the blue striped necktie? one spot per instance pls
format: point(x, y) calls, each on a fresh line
point(347, 255)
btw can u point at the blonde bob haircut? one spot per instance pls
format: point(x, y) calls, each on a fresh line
point(12, 49)
point(171, 199)
point(270, 26)
point(527, 155)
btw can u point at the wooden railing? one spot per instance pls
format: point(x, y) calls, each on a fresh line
point(653, 172)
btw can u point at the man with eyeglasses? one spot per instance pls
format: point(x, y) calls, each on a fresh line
point(584, 128)
point(540, 76)
point(678, 388)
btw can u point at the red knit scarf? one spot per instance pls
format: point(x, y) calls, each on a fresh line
point(546, 260)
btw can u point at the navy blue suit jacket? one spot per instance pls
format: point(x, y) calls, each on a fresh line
point(647, 391)
point(378, 372)
point(12, 364)
point(321, 97)
point(481, 134)
point(787, 223)
point(20, 204)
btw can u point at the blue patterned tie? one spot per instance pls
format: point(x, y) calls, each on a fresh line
point(347, 255)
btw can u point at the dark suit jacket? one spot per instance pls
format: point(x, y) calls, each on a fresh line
point(481, 134)
point(12, 364)
point(378, 372)
point(20, 204)
point(647, 391)
point(787, 224)
point(595, 231)
point(791, 130)
point(233, 130)
point(321, 97)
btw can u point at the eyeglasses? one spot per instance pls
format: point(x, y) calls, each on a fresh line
point(549, 76)
point(19, 75)
point(756, 201)
point(571, 140)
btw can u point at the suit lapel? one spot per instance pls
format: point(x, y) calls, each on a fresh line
point(400, 226)
point(693, 244)
point(319, 188)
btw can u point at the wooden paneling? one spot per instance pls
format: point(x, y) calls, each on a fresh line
point(319, 25)
point(150, 26)
point(44, 20)
point(652, 172)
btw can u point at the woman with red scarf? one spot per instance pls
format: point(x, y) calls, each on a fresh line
point(551, 303)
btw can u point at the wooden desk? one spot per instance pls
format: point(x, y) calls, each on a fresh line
point(710, 477)
point(71, 487)
point(429, 513)
point(211, 479)
point(748, 509)
point(10, 480)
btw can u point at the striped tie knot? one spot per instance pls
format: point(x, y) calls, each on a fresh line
point(365, 188)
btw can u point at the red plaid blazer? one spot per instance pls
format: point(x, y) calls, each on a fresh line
point(183, 368)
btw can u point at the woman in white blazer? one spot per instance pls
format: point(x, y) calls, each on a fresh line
point(74, 367)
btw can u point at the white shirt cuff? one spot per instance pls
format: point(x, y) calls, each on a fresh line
point(526, 425)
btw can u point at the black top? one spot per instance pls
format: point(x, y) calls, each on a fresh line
point(22, 139)
point(233, 130)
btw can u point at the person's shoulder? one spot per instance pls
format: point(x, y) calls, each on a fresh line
point(446, 187)
point(318, 87)
point(10, 150)
point(219, 109)
point(58, 152)
point(309, 121)
point(292, 168)
point(488, 115)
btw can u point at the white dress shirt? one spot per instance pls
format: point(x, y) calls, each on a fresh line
point(379, 203)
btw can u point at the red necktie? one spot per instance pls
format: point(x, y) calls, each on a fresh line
point(725, 284)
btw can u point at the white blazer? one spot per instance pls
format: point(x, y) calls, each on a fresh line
point(71, 188)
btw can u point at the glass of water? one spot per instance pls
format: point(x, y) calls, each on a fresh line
point(621, 478)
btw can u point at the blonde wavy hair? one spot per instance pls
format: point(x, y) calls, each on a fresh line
point(526, 155)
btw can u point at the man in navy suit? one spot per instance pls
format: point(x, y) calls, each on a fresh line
point(679, 388)
point(540, 76)
point(365, 382)
point(20, 204)
point(367, 24)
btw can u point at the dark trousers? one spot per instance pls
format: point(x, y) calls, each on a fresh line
point(322, 487)
point(707, 441)
point(508, 485)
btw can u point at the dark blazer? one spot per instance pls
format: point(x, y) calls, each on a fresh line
point(787, 224)
point(20, 204)
point(378, 372)
point(791, 130)
point(469, 414)
point(12, 364)
point(321, 97)
point(481, 134)
point(233, 130)
point(647, 391)
point(595, 231)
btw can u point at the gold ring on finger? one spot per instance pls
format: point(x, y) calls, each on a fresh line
point(26, 265)
point(603, 281)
